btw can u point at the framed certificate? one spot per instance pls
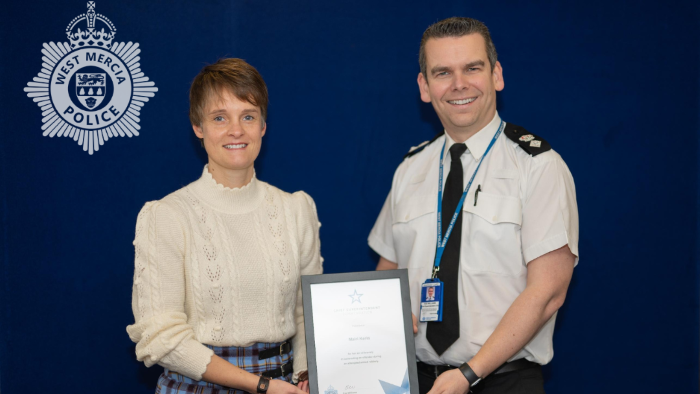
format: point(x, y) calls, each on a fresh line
point(359, 333)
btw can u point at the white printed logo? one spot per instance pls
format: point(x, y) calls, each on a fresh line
point(90, 89)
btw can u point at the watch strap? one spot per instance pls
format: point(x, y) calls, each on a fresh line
point(263, 384)
point(469, 373)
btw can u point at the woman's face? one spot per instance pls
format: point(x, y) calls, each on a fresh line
point(232, 131)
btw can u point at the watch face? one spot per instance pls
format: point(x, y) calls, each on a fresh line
point(263, 384)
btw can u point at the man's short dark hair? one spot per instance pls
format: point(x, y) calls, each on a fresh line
point(456, 27)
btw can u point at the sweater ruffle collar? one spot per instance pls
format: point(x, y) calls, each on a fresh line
point(224, 199)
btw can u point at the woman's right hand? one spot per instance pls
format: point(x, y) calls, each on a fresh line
point(281, 387)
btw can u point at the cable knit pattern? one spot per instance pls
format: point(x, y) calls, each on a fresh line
point(222, 267)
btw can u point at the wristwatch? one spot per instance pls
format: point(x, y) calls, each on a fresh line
point(469, 373)
point(263, 384)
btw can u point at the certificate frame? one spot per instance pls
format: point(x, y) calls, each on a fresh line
point(311, 352)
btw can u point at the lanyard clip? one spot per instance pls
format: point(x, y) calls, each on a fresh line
point(435, 271)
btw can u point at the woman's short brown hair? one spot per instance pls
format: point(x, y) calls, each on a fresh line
point(233, 75)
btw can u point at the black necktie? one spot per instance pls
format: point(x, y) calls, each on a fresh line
point(442, 335)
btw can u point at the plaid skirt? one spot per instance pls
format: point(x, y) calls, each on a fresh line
point(246, 358)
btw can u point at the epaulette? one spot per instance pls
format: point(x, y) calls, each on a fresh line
point(530, 143)
point(419, 148)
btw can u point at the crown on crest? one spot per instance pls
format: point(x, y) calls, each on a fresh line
point(91, 29)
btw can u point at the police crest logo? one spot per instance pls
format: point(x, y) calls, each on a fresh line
point(330, 390)
point(90, 89)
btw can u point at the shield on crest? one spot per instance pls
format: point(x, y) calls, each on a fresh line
point(90, 88)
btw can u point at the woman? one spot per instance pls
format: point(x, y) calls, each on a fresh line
point(216, 294)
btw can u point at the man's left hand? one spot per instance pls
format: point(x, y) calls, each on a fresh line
point(450, 382)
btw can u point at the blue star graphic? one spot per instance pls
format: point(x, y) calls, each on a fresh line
point(392, 389)
point(355, 297)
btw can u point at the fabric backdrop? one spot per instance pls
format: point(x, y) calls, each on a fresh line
point(612, 85)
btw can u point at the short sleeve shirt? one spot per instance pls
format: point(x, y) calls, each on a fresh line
point(525, 208)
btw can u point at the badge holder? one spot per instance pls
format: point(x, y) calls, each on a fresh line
point(431, 300)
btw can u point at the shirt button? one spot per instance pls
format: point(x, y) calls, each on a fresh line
point(217, 328)
point(495, 218)
point(286, 279)
point(406, 218)
point(282, 320)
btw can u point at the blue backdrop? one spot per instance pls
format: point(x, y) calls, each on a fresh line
point(613, 86)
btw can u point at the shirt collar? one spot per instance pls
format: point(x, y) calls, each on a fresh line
point(477, 143)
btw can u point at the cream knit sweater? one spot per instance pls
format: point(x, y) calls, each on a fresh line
point(222, 267)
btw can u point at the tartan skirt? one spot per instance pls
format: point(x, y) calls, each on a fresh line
point(246, 358)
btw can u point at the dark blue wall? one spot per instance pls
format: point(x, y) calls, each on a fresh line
point(612, 85)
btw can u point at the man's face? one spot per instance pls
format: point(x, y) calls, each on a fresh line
point(431, 292)
point(460, 83)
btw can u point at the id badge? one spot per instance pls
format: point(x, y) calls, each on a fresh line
point(431, 300)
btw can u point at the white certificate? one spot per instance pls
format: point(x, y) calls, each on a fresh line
point(360, 343)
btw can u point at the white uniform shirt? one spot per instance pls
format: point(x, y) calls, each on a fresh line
point(525, 209)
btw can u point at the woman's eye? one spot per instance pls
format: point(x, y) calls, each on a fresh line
point(219, 119)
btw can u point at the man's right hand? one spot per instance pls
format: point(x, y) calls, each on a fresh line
point(281, 387)
point(415, 324)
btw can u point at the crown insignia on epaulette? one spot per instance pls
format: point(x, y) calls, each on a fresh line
point(88, 29)
point(529, 142)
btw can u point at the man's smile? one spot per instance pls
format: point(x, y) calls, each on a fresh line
point(462, 101)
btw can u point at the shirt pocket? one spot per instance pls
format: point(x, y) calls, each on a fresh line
point(414, 227)
point(495, 208)
point(493, 237)
point(414, 208)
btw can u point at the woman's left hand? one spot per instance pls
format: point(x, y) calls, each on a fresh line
point(303, 385)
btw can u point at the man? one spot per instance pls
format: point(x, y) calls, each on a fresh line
point(511, 248)
point(431, 294)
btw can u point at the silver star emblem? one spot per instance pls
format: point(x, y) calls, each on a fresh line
point(355, 297)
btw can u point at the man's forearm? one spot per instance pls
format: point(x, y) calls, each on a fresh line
point(528, 313)
point(548, 279)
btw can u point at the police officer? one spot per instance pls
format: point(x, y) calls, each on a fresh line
point(486, 214)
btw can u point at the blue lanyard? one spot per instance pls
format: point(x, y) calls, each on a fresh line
point(441, 242)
